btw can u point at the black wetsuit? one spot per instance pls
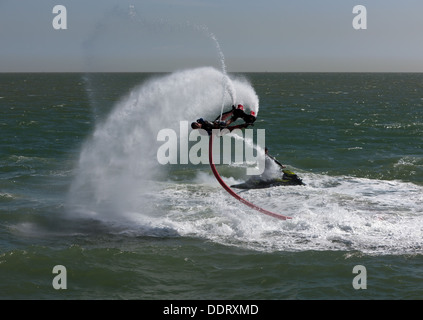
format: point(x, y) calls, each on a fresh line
point(235, 115)
point(221, 121)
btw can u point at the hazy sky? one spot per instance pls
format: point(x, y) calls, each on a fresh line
point(167, 35)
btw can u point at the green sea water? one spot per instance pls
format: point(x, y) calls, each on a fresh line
point(80, 187)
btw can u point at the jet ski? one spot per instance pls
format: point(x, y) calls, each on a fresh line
point(288, 178)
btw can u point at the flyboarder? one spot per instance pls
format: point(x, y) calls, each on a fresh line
point(223, 122)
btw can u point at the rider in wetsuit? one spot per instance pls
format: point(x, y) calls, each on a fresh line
point(223, 122)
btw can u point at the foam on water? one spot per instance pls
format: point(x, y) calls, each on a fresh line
point(330, 213)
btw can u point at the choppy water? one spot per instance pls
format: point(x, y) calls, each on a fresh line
point(80, 186)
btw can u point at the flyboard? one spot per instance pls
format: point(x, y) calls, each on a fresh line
point(232, 193)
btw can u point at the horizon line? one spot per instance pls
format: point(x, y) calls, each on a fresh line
point(14, 72)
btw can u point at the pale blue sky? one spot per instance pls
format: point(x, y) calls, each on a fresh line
point(167, 35)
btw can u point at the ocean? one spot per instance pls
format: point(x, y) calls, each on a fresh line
point(81, 188)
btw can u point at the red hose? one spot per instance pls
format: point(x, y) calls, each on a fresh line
point(232, 193)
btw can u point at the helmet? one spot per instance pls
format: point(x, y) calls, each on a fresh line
point(253, 113)
point(240, 106)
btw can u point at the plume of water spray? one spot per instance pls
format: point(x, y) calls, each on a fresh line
point(227, 88)
point(226, 82)
point(118, 164)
